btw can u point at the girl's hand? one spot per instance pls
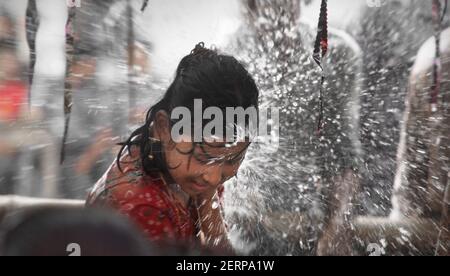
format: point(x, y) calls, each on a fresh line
point(212, 225)
point(206, 196)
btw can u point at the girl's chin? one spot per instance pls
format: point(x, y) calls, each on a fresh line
point(194, 190)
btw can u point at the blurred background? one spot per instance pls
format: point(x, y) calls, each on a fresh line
point(163, 34)
point(58, 131)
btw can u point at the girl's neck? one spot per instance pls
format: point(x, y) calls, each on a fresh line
point(176, 190)
point(173, 187)
point(180, 195)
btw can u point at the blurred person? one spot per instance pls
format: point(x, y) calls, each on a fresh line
point(422, 182)
point(390, 36)
point(33, 170)
point(88, 142)
point(172, 189)
point(100, 84)
point(36, 170)
point(13, 91)
point(7, 32)
point(13, 102)
point(104, 94)
point(72, 232)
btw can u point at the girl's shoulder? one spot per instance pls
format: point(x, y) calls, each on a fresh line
point(129, 184)
point(145, 199)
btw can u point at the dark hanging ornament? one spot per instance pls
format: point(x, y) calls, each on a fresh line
point(144, 5)
point(320, 51)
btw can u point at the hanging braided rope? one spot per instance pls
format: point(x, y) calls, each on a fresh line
point(70, 41)
point(320, 50)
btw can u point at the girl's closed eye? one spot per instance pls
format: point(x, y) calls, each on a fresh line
point(208, 160)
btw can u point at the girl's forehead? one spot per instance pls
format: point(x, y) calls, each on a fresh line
point(217, 149)
point(224, 148)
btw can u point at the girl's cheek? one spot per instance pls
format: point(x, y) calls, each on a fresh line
point(199, 170)
point(176, 159)
point(231, 170)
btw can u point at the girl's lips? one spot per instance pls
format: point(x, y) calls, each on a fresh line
point(199, 187)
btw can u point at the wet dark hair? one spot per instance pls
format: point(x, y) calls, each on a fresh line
point(218, 80)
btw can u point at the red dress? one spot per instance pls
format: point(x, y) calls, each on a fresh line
point(147, 201)
point(13, 96)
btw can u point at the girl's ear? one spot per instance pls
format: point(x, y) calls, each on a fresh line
point(162, 128)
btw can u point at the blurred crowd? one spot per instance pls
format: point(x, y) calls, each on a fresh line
point(13, 102)
point(64, 228)
point(110, 69)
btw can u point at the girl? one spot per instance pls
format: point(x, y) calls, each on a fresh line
point(172, 189)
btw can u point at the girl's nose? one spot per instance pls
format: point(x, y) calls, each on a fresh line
point(213, 176)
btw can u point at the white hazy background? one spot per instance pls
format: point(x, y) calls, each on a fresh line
point(173, 26)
